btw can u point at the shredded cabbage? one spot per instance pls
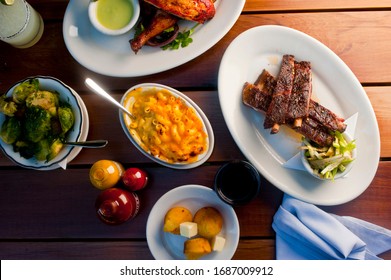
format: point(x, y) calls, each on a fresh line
point(328, 161)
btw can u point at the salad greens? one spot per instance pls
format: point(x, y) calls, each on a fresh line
point(183, 39)
point(328, 161)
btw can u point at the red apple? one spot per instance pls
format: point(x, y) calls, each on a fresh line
point(135, 178)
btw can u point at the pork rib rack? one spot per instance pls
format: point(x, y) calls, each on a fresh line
point(316, 122)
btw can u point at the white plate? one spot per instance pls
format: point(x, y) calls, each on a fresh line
point(112, 56)
point(124, 119)
point(167, 246)
point(334, 86)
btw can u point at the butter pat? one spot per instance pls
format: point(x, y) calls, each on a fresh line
point(218, 243)
point(188, 229)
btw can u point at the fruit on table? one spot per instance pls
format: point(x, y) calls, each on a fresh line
point(135, 178)
point(105, 174)
point(175, 217)
point(115, 206)
point(196, 248)
point(209, 221)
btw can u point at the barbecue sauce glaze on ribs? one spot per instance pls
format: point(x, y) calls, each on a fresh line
point(316, 122)
point(278, 108)
point(299, 101)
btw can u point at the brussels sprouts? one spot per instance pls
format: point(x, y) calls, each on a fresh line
point(10, 130)
point(55, 149)
point(37, 124)
point(42, 149)
point(66, 117)
point(44, 99)
point(24, 148)
point(7, 107)
point(36, 121)
point(24, 89)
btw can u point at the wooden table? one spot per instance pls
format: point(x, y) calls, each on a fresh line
point(50, 215)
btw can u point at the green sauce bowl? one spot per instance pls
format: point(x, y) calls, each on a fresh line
point(114, 17)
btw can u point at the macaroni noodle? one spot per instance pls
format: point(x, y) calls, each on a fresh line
point(165, 126)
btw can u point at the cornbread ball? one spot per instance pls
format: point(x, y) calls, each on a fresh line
point(209, 221)
point(196, 248)
point(174, 217)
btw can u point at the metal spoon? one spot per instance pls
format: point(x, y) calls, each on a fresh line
point(88, 144)
point(100, 91)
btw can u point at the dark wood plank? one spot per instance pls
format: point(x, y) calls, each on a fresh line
point(75, 250)
point(65, 207)
point(35, 205)
point(381, 103)
point(254, 249)
point(55, 9)
point(271, 5)
point(114, 250)
point(349, 35)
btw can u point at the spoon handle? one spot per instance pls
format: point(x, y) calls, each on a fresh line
point(89, 144)
point(100, 91)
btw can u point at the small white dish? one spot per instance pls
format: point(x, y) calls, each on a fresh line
point(339, 175)
point(125, 122)
point(92, 14)
point(167, 246)
point(78, 132)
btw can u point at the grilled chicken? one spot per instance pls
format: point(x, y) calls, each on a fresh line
point(194, 10)
point(160, 22)
point(163, 14)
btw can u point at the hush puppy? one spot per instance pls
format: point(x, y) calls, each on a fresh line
point(209, 221)
point(174, 217)
point(196, 248)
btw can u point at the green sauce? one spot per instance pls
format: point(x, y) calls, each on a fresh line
point(114, 14)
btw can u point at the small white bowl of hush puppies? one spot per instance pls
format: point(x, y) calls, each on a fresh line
point(192, 223)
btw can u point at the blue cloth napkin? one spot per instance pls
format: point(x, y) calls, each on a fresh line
point(305, 232)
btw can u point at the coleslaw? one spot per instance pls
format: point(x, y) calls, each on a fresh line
point(326, 162)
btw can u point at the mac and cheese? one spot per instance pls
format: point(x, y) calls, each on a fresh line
point(165, 126)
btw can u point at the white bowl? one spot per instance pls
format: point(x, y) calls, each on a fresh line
point(167, 246)
point(66, 94)
point(92, 14)
point(124, 119)
point(339, 175)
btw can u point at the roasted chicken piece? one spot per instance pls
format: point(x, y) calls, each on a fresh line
point(159, 15)
point(194, 10)
point(160, 22)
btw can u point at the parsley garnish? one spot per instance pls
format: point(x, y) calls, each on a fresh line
point(182, 40)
